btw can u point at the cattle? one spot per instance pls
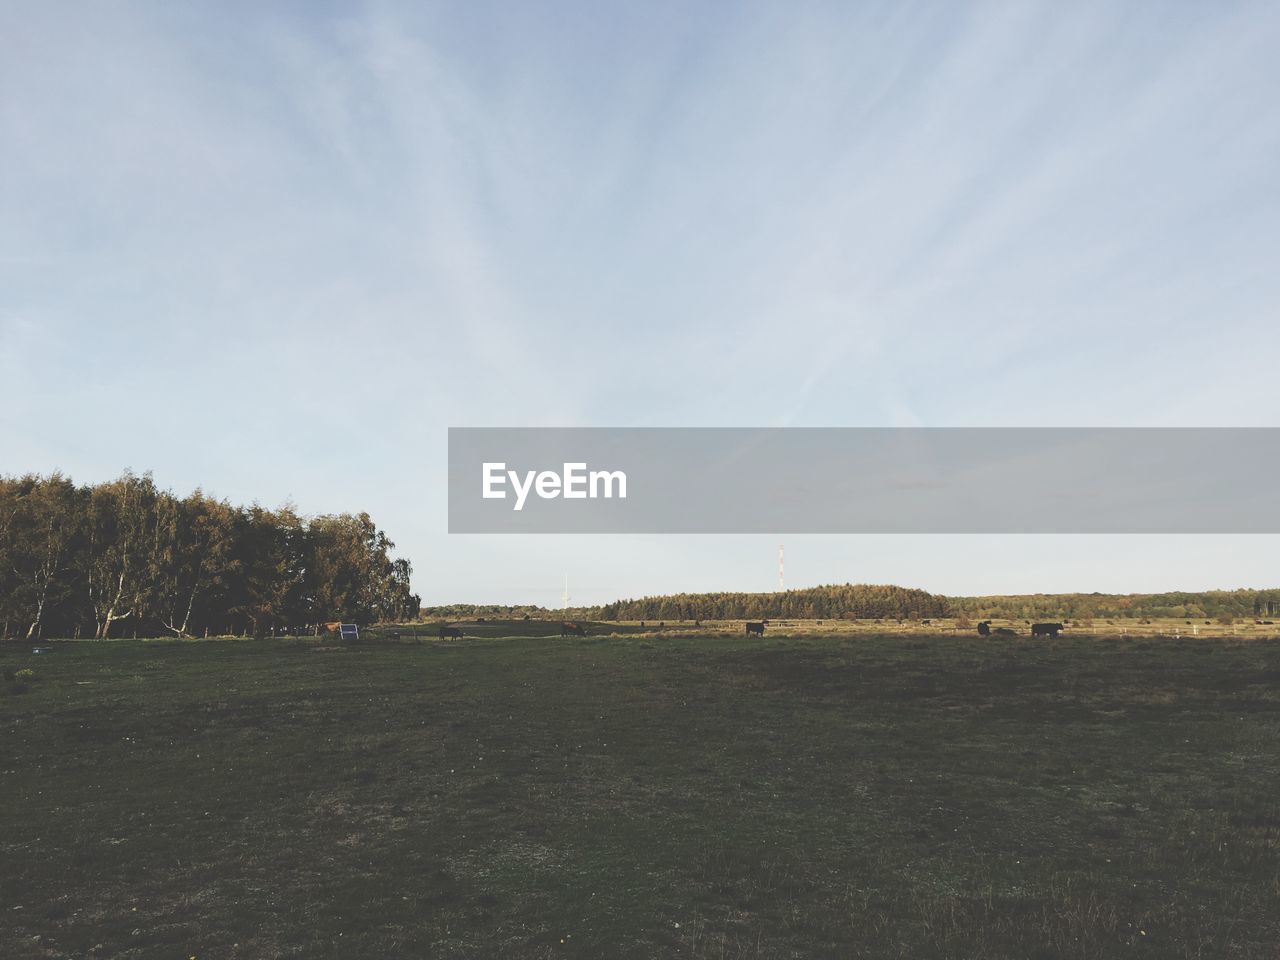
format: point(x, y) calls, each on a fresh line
point(984, 628)
point(1045, 629)
point(332, 627)
point(568, 629)
point(450, 633)
point(756, 629)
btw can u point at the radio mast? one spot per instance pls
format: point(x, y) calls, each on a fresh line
point(782, 582)
point(565, 598)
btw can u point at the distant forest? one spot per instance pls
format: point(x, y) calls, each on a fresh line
point(124, 557)
point(461, 611)
point(813, 603)
point(1215, 604)
point(862, 601)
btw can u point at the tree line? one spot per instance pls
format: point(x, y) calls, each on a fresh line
point(864, 601)
point(844, 601)
point(1214, 604)
point(101, 559)
point(465, 611)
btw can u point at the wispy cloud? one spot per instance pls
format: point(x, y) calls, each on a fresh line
point(287, 247)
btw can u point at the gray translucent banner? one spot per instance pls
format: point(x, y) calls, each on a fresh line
point(864, 480)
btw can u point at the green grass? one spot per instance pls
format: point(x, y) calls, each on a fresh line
point(642, 796)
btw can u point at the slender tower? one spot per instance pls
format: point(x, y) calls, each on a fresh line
point(782, 582)
point(565, 598)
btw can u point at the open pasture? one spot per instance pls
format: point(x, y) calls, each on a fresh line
point(836, 793)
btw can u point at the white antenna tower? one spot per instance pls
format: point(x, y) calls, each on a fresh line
point(782, 582)
point(566, 591)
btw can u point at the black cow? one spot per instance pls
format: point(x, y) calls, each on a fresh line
point(1045, 629)
point(450, 633)
point(755, 628)
point(984, 628)
point(568, 629)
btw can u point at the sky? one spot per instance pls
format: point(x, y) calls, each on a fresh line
point(275, 250)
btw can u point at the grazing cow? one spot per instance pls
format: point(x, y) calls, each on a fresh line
point(568, 629)
point(450, 633)
point(1045, 629)
point(984, 628)
point(755, 628)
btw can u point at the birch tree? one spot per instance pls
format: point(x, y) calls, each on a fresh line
point(120, 543)
point(193, 555)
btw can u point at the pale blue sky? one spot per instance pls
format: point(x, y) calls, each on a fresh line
point(276, 250)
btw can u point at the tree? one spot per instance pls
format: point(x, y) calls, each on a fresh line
point(52, 537)
point(195, 540)
point(270, 555)
point(121, 536)
point(350, 573)
point(10, 574)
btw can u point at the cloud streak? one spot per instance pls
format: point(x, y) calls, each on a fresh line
point(276, 252)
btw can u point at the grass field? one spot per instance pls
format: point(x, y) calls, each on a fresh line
point(641, 795)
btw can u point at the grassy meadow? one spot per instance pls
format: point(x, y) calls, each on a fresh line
point(833, 790)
